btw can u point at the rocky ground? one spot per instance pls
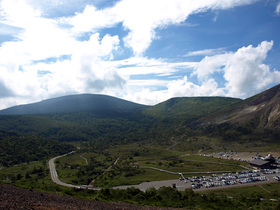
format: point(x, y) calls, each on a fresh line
point(12, 197)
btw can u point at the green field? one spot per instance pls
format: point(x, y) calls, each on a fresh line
point(35, 175)
point(128, 170)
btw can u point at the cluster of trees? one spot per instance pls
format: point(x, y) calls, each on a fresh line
point(84, 174)
point(102, 132)
point(16, 148)
point(170, 197)
point(89, 172)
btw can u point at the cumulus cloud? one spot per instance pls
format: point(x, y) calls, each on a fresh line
point(210, 65)
point(183, 87)
point(38, 47)
point(244, 70)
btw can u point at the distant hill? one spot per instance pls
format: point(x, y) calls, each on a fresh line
point(74, 103)
point(256, 116)
point(185, 108)
point(105, 121)
point(263, 108)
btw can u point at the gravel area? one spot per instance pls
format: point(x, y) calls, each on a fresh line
point(12, 197)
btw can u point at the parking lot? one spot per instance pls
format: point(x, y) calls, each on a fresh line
point(238, 179)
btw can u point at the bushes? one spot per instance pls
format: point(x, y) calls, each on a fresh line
point(16, 148)
point(170, 197)
point(164, 196)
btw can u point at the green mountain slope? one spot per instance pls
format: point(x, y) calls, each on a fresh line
point(100, 104)
point(257, 116)
point(189, 108)
point(105, 121)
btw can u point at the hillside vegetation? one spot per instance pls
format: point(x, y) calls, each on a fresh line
point(188, 122)
point(16, 149)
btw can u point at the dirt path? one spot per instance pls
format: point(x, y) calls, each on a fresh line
point(82, 156)
point(107, 169)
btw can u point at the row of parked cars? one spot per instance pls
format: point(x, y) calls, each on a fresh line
point(231, 179)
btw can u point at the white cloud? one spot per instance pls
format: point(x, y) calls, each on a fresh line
point(244, 70)
point(142, 17)
point(183, 87)
point(206, 52)
point(91, 19)
point(144, 66)
point(90, 67)
point(277, 11)
point(40, 38)
point(210, 65)
point(39, 45)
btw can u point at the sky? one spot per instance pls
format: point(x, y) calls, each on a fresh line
point(145, 51)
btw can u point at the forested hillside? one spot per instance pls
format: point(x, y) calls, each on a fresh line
point(186, 120)
point(16, 148)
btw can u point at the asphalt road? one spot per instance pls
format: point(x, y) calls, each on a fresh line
point(54, 175)
point(55, 179)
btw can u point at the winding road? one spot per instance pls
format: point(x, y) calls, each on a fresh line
point(55, 179)
point(53, 172)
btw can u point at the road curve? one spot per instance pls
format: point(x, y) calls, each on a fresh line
point(53, 172)
point(55, 179)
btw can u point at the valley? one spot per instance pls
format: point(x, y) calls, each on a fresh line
point(120, 143)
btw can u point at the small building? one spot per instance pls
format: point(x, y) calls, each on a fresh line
point(262, 164)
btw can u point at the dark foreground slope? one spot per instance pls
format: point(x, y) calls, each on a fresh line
point(75, 103)
point(18, 198)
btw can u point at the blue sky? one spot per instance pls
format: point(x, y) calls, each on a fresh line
point(145, 51)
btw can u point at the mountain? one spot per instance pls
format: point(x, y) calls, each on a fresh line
point(256, 116)
point(263, 108)
point(189, 108)
point(74, 103)
point(106, 121)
